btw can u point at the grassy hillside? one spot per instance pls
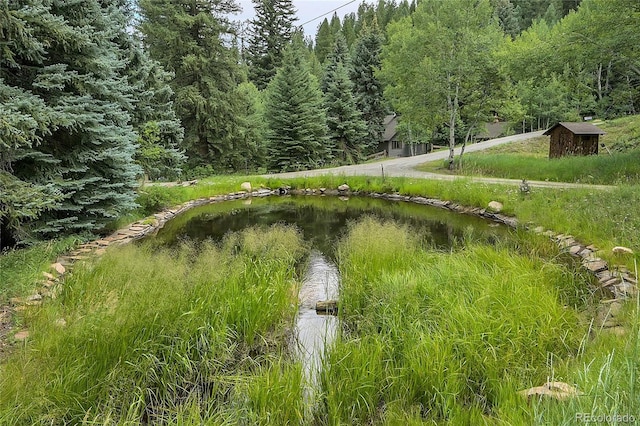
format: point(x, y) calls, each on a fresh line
point(616, 163)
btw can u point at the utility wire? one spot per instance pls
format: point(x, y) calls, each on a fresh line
point(325, 14)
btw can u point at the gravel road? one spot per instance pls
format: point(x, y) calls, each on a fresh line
point(405, 166)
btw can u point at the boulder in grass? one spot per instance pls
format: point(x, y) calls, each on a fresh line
point(495, 206)
point(556, 390)
point(245, 186)
point(58, 268)
point(621, 250)
point(343, 188)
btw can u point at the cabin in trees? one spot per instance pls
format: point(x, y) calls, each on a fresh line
point(492, 131)
point(573, 139)
point(393, 145)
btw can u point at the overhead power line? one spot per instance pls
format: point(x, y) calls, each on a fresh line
point(325, 14)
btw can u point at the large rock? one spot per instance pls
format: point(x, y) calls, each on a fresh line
point(621, 250)
point(555, 390)
point(343, 188)
point(58, 268)
point(245, 186)
point(495, 206)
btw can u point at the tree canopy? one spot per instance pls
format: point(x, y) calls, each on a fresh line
point(66, 106)
point(439, 66)
point(271, 31)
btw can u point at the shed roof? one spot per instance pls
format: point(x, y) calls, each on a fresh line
point(390, 125)
point(578, 128)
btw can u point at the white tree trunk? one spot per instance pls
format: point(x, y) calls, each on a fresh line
point(453, 113)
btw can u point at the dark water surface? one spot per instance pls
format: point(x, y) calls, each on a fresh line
point(323, 220)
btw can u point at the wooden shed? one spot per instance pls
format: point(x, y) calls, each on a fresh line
point(573, 139)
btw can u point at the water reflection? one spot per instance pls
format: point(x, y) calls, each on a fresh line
point(313, 332)
point(322, 220)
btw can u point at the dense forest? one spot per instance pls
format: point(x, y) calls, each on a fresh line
point(98, 95)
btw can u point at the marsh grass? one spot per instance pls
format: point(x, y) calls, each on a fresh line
point(607, 372)
point(201, 335)
point(149, 336)
point(443, 337)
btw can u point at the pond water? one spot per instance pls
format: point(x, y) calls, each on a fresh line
point(322, 221)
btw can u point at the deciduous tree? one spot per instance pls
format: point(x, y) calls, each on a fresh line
point(437, 64)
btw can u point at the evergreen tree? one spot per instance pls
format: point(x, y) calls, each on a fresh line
point(191, 40)
point(368, 90)
point(153, 117)
point(347, 131)
point(349, 29)
point(324, 41)
point(270, 32)
point(296, 121)
point(507, 17)
point(63, 91)
point(339, 55)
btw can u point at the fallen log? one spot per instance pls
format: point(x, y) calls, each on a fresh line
point(327, 307)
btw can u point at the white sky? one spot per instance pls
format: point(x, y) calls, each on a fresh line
point(307, 10)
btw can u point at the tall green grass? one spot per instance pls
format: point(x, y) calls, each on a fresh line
point(444, 337)
point(602, 169)
point(144, 335)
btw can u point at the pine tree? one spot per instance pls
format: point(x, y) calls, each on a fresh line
point(349, 29)
point(270, 32)
point(75, 137)
point(190, 39)
point(296, 121)
point(507, 17)
point(368, 90)
point(324, 41)
point(346, 129)
point(153, 117)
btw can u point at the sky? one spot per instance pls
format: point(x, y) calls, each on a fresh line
point(309, 9)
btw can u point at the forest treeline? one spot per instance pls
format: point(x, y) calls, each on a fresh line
point(96, 95)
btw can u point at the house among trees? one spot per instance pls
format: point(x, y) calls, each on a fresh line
point(393, 144)
point(573, 139)
point(492, 130)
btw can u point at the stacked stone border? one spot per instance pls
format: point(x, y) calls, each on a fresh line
point(619, 283)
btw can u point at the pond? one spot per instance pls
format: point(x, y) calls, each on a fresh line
point(322, 221)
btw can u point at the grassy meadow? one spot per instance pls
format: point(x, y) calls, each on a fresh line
point(201, 335)
point(450, 338)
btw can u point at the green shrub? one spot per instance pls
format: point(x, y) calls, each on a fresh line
point(153, 199)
